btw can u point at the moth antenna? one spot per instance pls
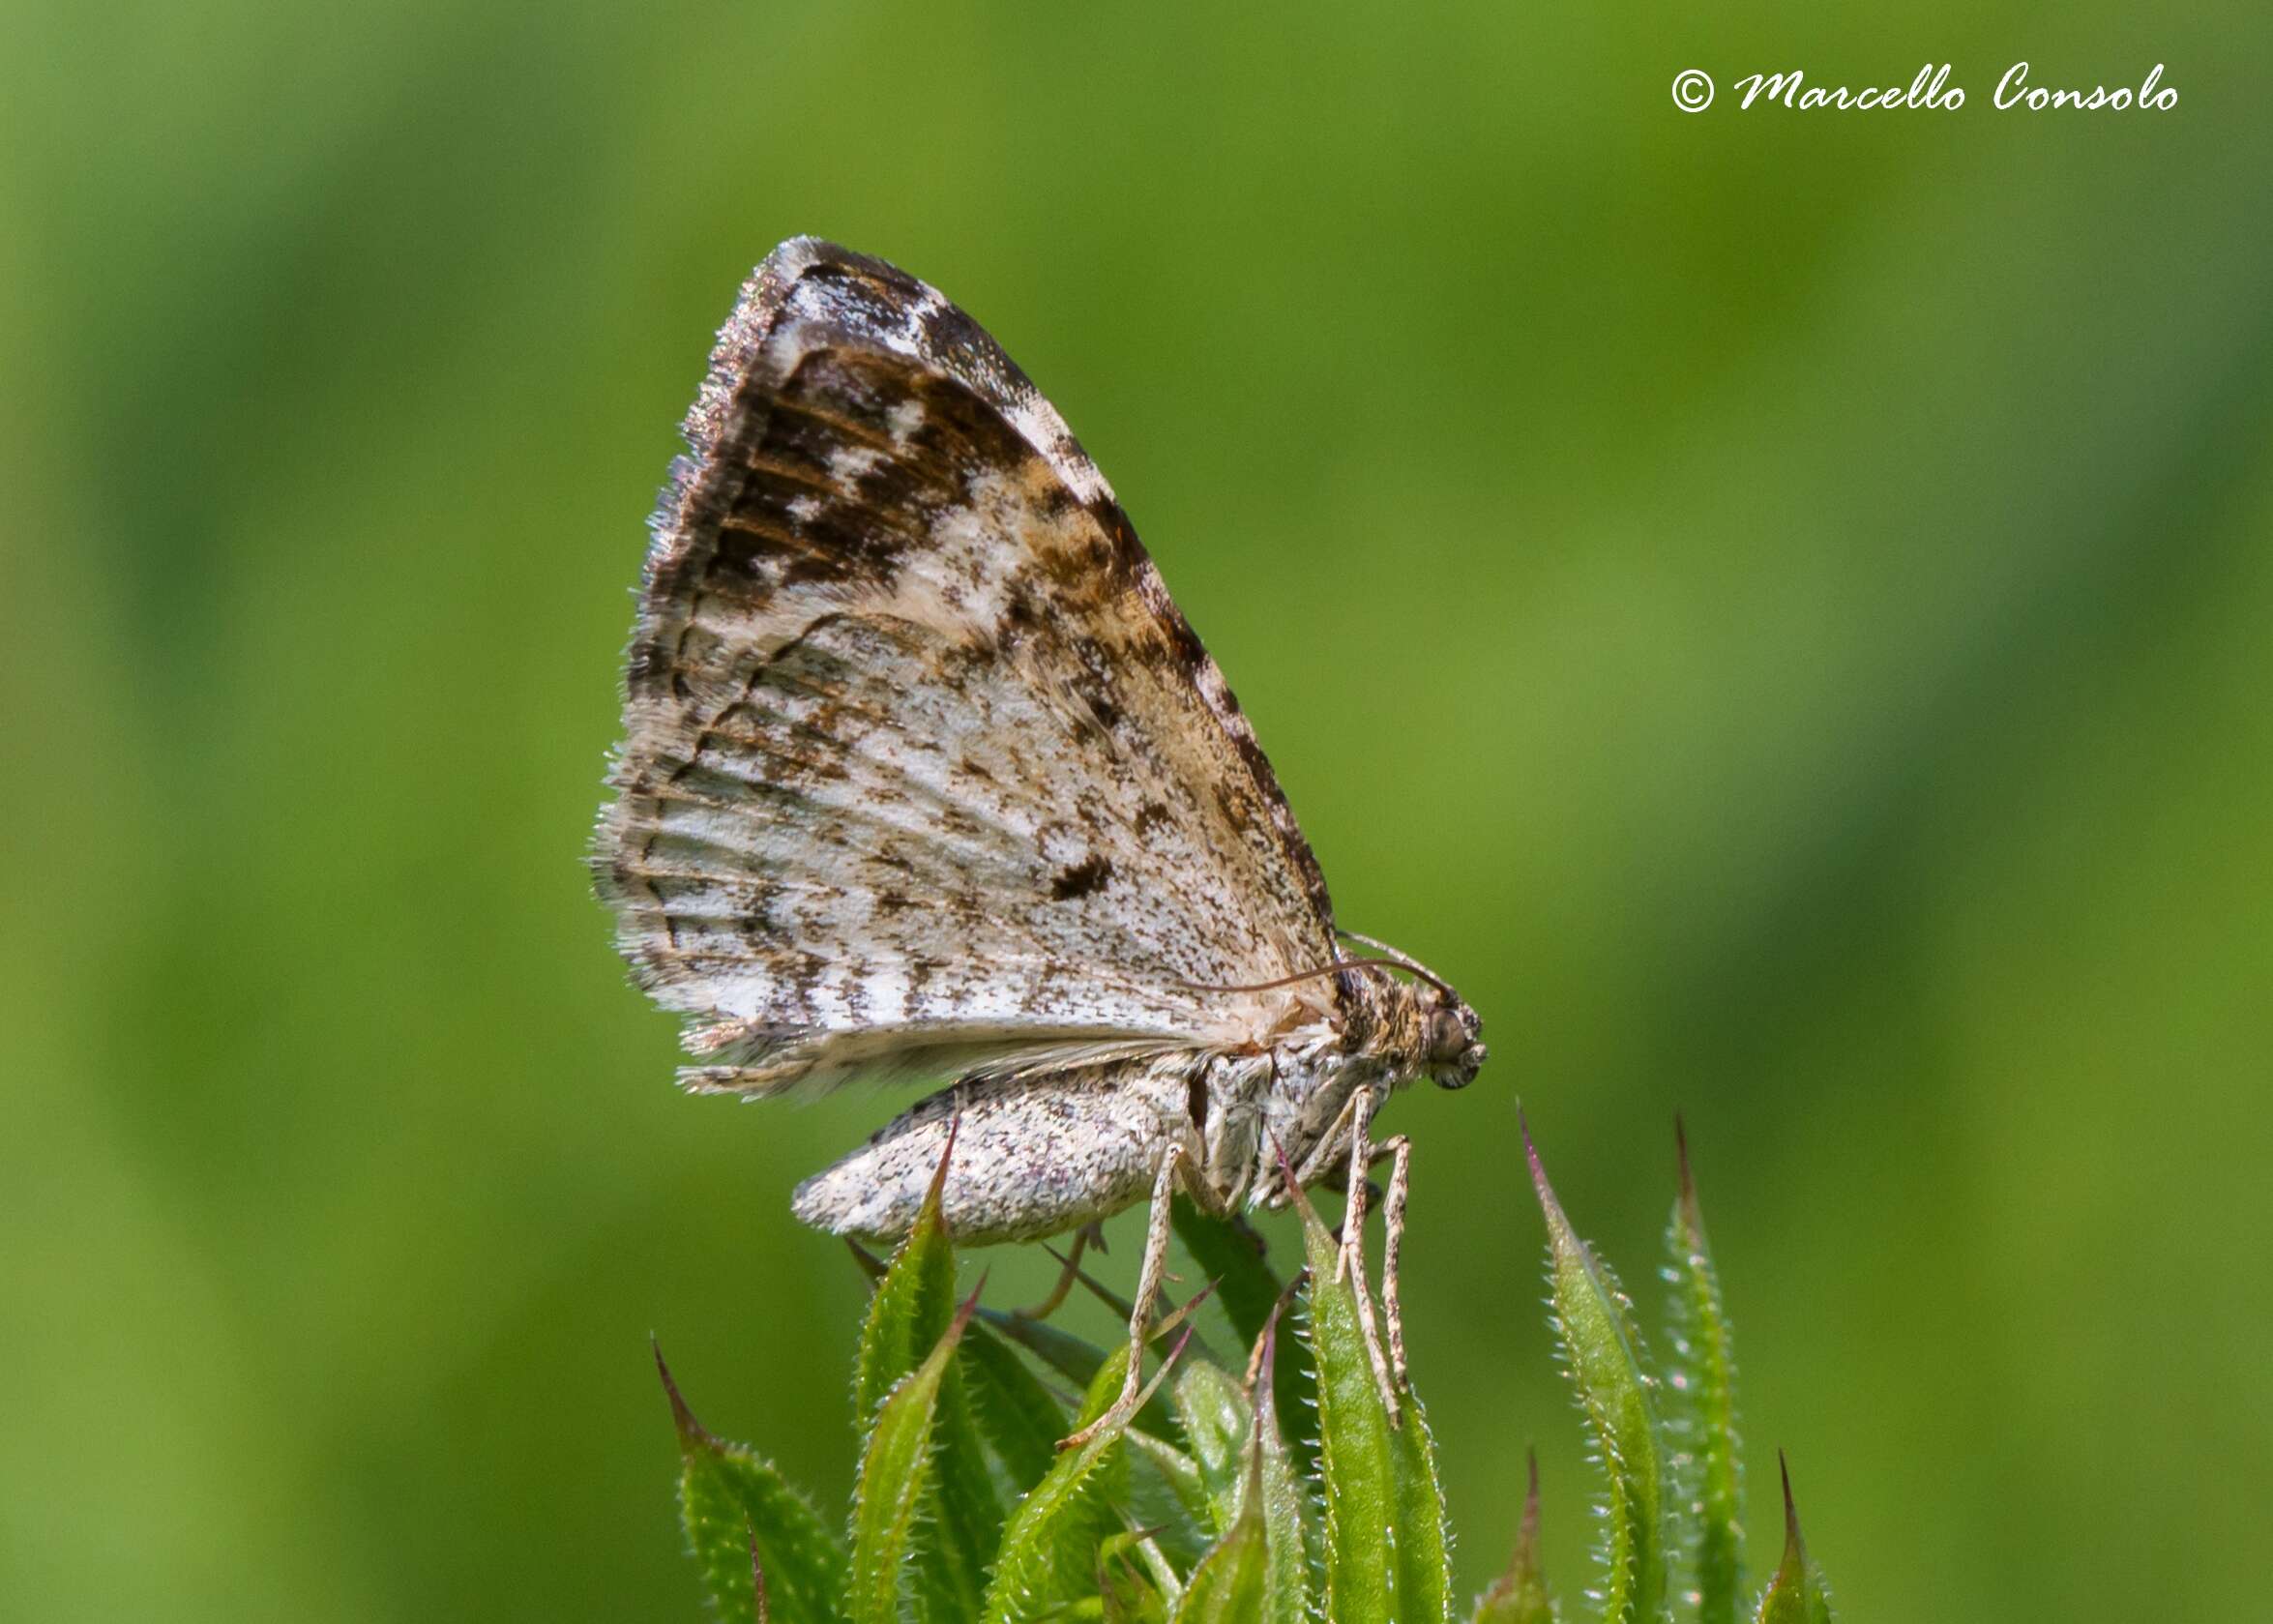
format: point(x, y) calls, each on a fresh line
point(1395, 958)
point(1334, 969)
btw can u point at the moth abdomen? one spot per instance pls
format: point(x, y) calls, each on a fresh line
point(1033, 1156)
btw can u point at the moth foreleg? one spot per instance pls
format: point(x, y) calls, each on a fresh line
point(1349, 1261)
point(1148, 1284)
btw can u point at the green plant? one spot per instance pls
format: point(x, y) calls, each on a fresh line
point(1220, 1501)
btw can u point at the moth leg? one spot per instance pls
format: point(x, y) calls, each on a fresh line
point(1329, 1143)
point(1349, 1263)
point(1148, 1283)
point(1350, 1257)
point(1066, 1277)
point(1399, 1150)
point(1203, 1194)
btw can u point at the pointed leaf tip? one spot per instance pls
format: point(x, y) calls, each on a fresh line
point(1520, 1594)
point(1681, 1157)
point(963, 1313)
point(692, 1434)
point(1798, 1594)
point(1556, 1222)
point(1191, 1306)
point(935, 1198)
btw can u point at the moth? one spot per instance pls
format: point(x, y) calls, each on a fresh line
point(926, 779)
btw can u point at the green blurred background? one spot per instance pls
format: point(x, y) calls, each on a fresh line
point(1778, 607)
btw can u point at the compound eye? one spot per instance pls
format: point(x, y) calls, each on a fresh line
point(1448, 1039)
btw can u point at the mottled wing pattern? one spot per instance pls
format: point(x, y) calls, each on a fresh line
point(923, 767)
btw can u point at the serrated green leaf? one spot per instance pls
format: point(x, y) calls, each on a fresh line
point(1520, 1596)
point(1217, 1426)
point(1019, 1418)
point(1703, 1462)
point(909, 1313)
point(1424, 1547)
point(951, 1566)
point(1048, 1555)
point(1180, 1474)
point(1174, 1541)
point(1386, 1545)
point(730, 1499)
point(1594, 1321)
point(1798, 1594)
point(1234, 1444)
point(1133, 1587)
point(1230, 1586)
point(1288, 1510)
point(1231, 1255)
point(908, 1310)
point(1167, 1500)
point(1353, 1448)
point(895, 1471)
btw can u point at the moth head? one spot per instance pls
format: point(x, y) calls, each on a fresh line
point(1450, 1052)
point(1454, 1055)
